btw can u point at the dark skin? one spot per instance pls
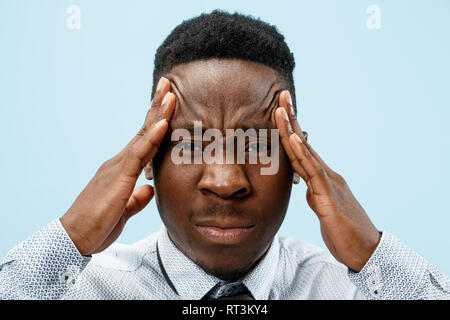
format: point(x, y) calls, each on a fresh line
point(223, 94)
point(223, 97)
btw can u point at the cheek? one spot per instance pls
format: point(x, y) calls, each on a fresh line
point(175, 187)
point(272, 191)
point(277, 179)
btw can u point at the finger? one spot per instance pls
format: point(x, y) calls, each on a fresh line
point(138, 200)
point(168, 108)
point(285, 101)
point(318, 158)
point(162, 88)
point(143, 149)
point(317, 175)
point(285, 130)
point(161, 107)
point(146, 142)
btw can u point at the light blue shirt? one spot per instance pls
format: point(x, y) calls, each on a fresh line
point(47, 265)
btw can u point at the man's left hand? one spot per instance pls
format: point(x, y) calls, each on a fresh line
point(346, 229)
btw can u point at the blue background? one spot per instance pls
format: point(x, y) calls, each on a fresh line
point(375, 103)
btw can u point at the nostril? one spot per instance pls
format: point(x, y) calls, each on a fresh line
point(224, 181)
point(241, 192)
point(225, 193)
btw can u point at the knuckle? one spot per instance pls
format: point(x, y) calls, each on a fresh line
point(156, 102)
point(292, 116)
point(322, 171)
point(105, 165)
point(339, 178)
point(158, 116)
point(307, 154)
point(142, 131)
point(131, 153)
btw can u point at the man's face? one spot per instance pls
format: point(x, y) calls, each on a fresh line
point(198, 201)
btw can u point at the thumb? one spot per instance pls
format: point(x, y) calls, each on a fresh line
point(138, 200)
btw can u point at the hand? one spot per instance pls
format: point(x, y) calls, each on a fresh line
point(98, 215)
point(346, 229)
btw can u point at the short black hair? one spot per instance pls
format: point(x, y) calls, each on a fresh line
point(220, 34)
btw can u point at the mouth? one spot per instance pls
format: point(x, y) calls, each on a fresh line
point(225, 234)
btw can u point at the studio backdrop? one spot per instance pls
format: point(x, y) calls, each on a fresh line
point(373, 91)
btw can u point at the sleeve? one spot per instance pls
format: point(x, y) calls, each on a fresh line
point(41, 267)
point(396, 272)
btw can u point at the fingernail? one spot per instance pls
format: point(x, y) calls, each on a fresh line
point(160, 123)
point(160, 83)
point(297, 138)
point(165, 98)
point(289, 96)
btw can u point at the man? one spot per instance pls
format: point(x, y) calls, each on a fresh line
point(220, 219)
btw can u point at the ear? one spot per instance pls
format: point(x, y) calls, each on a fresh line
point(296, 178)
point(148, 171)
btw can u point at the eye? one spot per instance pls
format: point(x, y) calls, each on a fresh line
point(257, 146)
point(189, 146)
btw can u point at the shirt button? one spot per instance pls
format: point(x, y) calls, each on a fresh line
point(376, 293)
point(373, 281)
point(65, 277)
point(69, 276)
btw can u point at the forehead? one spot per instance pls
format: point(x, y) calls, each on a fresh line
point(224, 93)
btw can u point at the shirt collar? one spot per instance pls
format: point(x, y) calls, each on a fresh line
point(259, 280)
point(192, 282)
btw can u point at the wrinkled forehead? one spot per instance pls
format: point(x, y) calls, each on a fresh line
point(224, 93)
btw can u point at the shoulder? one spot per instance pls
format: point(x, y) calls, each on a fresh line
point(126, 257)
point(118, 273)
point(304, 254)
point(311, 272)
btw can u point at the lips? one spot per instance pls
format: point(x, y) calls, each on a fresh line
point(225, 232)
point(227, 224)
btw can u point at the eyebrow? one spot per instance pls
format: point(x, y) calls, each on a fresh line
point(189, 126)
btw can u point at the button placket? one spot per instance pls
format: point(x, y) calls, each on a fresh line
point(373, 282)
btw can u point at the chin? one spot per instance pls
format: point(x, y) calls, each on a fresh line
point(226, 273)
point(226, 266)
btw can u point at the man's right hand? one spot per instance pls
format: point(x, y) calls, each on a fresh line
point(98, 215)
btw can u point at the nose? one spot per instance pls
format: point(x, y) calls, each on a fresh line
point(225, 181)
